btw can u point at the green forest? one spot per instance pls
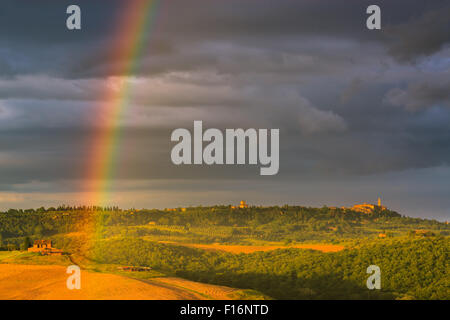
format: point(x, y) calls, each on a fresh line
point(412, 253)
point(411, 269)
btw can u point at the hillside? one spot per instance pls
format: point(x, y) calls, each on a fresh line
point(219, 224)
point(288, 252)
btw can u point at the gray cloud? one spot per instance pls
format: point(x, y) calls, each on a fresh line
point(420, 36)
point(412, 28)
point(435, 91)
point(309, 68)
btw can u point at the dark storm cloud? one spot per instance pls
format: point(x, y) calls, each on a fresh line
point(41, 43)
point(434, 91)
point(420, 35)
point(274, 28)
point(341, 95)
point(38, 154)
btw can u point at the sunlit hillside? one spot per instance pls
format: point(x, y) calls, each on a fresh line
point(288, 252)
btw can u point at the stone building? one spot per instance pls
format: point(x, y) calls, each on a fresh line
point(368, 208)
point(243, 205)
point(44, 247)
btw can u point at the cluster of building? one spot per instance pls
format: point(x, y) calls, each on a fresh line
point(44, 247)
point(242, 205)
point(369, 208)
point(175, 209)
point(134, 268)
point(366, 208)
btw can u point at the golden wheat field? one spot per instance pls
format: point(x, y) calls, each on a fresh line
point(48, 282)
point(251, 249)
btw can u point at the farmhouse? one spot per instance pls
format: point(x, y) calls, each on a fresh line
point(134, 268)
point(45, 248)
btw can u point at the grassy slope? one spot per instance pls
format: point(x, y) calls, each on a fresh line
point(153, 278)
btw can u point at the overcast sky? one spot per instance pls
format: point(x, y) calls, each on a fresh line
point(362, 113)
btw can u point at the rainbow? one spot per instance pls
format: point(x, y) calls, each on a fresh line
point(131, 39)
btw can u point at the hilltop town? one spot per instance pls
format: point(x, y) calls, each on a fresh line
point(366, 208)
